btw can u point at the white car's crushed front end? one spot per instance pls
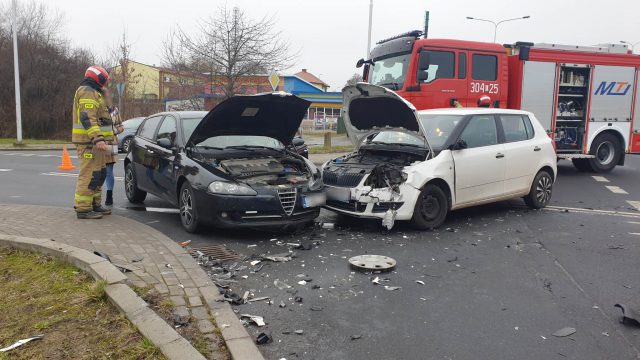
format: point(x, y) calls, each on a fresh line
point(352, 191)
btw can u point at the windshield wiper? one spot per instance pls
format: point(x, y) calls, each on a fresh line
point(251, 147)
point(396, 86)
point(209, 147)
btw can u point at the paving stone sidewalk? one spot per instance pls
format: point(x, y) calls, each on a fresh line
point(156, 260)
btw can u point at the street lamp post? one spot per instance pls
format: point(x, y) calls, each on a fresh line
point(495, 24)
point(369, 33)
point(16, 71)
point(631, 45)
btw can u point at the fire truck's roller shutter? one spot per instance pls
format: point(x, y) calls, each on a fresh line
point(612, 94)
point(538, 87)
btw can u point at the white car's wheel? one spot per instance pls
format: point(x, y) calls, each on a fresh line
point(431, 208)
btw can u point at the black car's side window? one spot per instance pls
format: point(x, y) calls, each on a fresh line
point(480, 131)
point(148, 128)
point(167, 129)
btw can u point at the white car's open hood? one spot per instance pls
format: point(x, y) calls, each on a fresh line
point(371, 108)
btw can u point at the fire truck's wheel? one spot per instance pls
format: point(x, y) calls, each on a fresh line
point(607, 150)
point(581, 164)
point(541, 190)
point(431, 208)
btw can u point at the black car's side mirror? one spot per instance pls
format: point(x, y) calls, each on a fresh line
point(297, 141)
point(459, 145)
point(165, 143)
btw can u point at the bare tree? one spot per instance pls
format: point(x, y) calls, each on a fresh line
point(50, 71)
point(354, 79)
point(226, 47)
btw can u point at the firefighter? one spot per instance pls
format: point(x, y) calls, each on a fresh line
point(112, 139)
point(91, 123)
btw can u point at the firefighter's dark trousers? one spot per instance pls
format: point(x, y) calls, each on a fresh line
point(90, 179)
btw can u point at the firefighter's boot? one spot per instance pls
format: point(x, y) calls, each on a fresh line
point(89, 215)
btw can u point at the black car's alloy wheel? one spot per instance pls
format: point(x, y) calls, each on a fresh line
point(188, 211)
point(134, 194)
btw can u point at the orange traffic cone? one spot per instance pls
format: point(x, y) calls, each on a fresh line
point(66, 160)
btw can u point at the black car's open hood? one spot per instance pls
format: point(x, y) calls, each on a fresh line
point(277, 115)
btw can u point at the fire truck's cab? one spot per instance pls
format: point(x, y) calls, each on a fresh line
point(435, 73)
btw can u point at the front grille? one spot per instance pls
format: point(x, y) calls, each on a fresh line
point(342, 180)
point(348, 206)
point(287, 199)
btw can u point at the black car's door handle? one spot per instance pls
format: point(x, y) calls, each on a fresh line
point(537, 148)
point(499, 155)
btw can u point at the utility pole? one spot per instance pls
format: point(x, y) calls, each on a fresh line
point(426, 24)
point(16, 71)
point(370, 22)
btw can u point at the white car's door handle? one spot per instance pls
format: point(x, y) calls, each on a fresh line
point(499, 155)
point(537, 148)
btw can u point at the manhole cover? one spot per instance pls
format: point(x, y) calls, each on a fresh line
point(215, 252)
point(372, 262)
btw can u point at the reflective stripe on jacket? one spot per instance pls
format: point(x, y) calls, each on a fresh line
point(91, 119)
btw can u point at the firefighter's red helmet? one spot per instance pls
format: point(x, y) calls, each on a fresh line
point(97, 73)
point(484, 101)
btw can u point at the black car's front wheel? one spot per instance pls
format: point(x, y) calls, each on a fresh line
point(134, 194)
point(188, 210)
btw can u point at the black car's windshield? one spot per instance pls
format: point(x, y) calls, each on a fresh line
point(394, 138)
point(390, 72)
point(230, 141)
point(439, 128)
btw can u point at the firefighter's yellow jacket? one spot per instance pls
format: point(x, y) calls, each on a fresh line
point(91, 119)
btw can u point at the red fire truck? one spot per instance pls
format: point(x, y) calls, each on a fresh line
point(585, 97)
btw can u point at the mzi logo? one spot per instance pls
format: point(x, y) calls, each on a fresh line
point(612, 88)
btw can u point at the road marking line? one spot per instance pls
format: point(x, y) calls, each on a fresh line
point(638, 234)
point(600, 179)
point(633, 222)
point(635, 204)
point(5, 170)
point(163, 210)
point(590, 211)
point(616, 189)
point(73, 175)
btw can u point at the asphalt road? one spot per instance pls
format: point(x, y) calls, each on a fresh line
point(497, 284)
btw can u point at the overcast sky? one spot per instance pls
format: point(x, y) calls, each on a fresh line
point(331, 35)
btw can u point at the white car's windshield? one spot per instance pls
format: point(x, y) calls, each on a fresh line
point(394, 137)
point(390, 72)
point(439, 128)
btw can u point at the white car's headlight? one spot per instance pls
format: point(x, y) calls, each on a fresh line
point(229, 188)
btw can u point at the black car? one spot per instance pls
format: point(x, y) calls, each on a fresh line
point(235, 166)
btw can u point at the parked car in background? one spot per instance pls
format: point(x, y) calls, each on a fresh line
point(232, 167)
point(419, 165)
point(130, 128)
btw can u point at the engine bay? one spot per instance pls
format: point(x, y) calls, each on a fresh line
point(266, 170)
point(383, 167)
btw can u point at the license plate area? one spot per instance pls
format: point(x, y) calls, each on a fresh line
point(313, 200)
point(338, 194)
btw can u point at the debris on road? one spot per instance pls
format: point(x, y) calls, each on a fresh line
point(372, 262)
point(259, 299)
point(281, 285)
point(258, 320)
point(328, 225)
point(629, 316)
point(263, 338)
point(255, 262)
point(356, 337)
point(282, 304)
point(21, 342)
point(284, 257)
point(302, 282)
point(420, 282)
point(392, 288)
point(316, 308)
point(298, 299)
point(564, 332)
point(299, 332)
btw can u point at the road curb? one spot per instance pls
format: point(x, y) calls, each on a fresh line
point(152, 326)
point(52, 147)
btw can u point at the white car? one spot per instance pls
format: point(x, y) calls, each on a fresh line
point(419, 165)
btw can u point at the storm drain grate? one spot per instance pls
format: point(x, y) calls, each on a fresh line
point(215, 252)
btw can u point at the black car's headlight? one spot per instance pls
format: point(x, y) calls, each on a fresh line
point(229, 188)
